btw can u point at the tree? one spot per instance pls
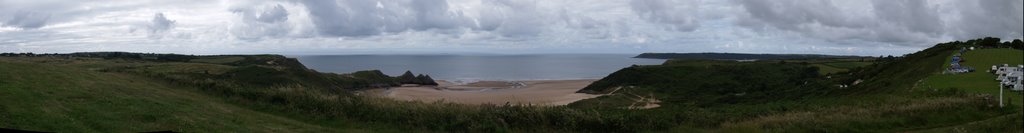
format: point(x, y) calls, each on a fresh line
point(989, 42)
point(1017, 44)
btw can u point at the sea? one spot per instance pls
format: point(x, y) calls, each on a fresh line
point(471, 68)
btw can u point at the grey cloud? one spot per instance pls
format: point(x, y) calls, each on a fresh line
point(346, 18)
point(434, 14)
point(256, 23)
point(580, 20)
point(489, 20)
point(533, 23)
point(275, 14)
point(901, 22)
point(357, 18)
point(1001, 18)
point(27, 20)
point(514, 18)
point(160, 23)
point(792, 15)
point(39, 13)
point(813, 19)
point(914, 15)
point(666, 12)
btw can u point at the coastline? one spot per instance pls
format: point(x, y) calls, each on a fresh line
point(526, 92)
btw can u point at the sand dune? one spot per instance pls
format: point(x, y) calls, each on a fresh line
point(537, 92)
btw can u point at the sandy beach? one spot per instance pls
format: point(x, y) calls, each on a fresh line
point(535, 92)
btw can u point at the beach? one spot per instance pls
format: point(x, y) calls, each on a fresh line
point(532, 92)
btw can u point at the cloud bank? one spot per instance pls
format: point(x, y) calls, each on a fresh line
point(501, 26)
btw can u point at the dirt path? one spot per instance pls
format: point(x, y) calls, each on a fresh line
point(641, 102)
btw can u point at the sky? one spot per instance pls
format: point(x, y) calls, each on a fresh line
point(841, 27)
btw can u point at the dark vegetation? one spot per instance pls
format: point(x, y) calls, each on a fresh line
point(992, 42)
point(239, 70)
point(408, 78)
point(718, 84)
point(734, 56)
point(789, 95)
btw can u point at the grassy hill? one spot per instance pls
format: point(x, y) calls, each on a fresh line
point(980, 81)
point(58, 98)
point(735, 56)
point(769, 96)
point(825, 66)
point(129, 92)
point(719, 84)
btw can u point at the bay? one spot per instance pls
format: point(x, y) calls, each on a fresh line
point(481, 67)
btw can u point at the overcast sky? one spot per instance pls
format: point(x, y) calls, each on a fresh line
point(849, 27)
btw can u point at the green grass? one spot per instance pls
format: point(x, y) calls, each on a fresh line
point(218, 59)
point(40, 97)
point(702, 63)
point(827, 69)
point(826, 66)
point(839, 66)
point(848, 65)
point(979, 81)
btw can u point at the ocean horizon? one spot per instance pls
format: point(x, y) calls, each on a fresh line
point(469, 68)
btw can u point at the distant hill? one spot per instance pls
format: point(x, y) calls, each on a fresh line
point(737, 56)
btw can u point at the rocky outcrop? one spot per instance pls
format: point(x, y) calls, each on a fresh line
point(421, 79)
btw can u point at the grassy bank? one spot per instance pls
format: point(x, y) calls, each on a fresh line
point(43, 97)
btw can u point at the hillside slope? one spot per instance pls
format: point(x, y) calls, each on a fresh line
point(735, 56)
point(56, 98)
point(979, 81)
point(787, 96)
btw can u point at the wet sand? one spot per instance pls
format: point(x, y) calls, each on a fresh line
point(536, 92)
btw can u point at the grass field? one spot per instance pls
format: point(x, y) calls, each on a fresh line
point(839, 66)
point(826, 66)
point(826, 69)
point(218, 59)
point(848, 64)
point(979, 81)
